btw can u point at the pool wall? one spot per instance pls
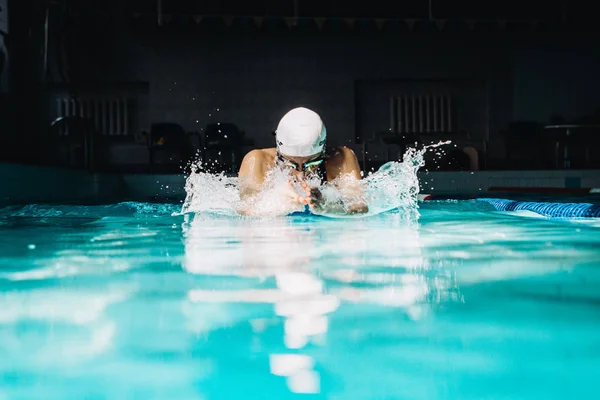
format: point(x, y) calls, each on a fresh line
point(486, 181)
point(28, 184)
point(32, 183)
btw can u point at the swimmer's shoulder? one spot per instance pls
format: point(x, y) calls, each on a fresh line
point(340, 160)
point(340, 154)
point(258, 161)
point(258, 155)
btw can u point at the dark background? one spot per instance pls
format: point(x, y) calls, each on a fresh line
point(509, 67)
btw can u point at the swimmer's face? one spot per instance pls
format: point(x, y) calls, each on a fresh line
point(301, 165)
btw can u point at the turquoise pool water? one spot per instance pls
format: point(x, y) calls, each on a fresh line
point(129, 301)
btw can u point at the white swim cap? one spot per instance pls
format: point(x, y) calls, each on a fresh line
point(301, 133)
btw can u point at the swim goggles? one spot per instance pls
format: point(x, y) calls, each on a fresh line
point(309, 166)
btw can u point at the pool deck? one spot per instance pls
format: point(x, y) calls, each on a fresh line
point(30, 184)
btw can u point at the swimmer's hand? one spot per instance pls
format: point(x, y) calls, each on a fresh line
point(314, 197)
point(319, 204)
point(297, 196)
point(289, 198)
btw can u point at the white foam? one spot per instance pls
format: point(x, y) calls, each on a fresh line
point(394, 186)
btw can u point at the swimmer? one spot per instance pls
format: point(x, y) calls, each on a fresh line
point(301, 151)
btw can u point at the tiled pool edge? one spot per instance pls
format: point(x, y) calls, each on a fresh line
point(29, 184)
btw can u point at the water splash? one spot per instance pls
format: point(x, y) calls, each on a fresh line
point(394, 187)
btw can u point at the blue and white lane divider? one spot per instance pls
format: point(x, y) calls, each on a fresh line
point(548, 209)
point(555, 210)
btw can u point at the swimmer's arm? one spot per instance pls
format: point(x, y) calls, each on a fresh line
point(351, 185)
point(251, 183)
point(250, 179)
point(355, 187)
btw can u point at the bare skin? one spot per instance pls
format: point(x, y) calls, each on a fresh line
point(340, 162)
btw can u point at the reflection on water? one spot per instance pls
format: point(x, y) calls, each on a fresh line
point(130, 301)
point(305, 271)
